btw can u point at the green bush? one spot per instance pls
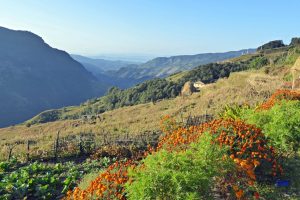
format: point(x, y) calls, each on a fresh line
point(258, 63)
point(44, 117)
point(292, 56)
point(291, 168)
point(179, 175)
point(281, 124)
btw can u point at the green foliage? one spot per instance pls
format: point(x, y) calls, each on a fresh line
point(292, 56)
point(233, 111)
point(152, 90)
point(179, 175)
point(292, 172)
point(258, 62)
point(291, 168)
point(281, 124)
point(44, 117)
point(7, 165)
point(288, 77)
point(211, 72)
point(149, 91)
point(41, 180)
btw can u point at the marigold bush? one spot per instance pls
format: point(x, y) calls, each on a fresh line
point(179, 169)
point(108, 185)
point(248, 148)
point(278, 96)
point(189, 174)
point(278, 117)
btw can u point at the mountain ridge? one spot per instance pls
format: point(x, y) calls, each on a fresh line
point(164, 66)
point(36, 77)
point(164, 88)
point(125, 74)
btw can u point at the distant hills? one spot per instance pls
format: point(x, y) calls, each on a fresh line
point(105, 70)
point(164, 66)
point(125, 74)
point(100, 65)
point(160, 89)
point(35, 77)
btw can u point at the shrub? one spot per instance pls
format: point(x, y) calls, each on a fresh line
point(278, 117)
point(292, 56)
point(258, 63)
point(248, 148)
point(187, 174)
point(281, 124)
point(278, 96)
point(108, 185)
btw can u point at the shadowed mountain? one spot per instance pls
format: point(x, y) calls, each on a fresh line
point(35, 77)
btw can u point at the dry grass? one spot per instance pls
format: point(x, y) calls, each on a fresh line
point(239, 88)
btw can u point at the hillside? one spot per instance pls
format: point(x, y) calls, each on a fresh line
point(252, 86)
point(35, 77)
point(164, 66)
point(170, 87)
point(234, 89)
point(139, 109)
point(125, 74)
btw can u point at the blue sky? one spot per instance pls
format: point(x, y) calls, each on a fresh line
point(155, 27)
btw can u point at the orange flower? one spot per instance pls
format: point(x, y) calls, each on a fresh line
point(239, 194)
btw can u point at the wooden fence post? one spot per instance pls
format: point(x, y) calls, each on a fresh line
point(56, 146)
point(10, 148)
point(28, 149)
point(81, 150)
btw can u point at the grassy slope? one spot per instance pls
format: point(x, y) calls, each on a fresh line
point(275, 57)
point(241, 87)
point(251, 87)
